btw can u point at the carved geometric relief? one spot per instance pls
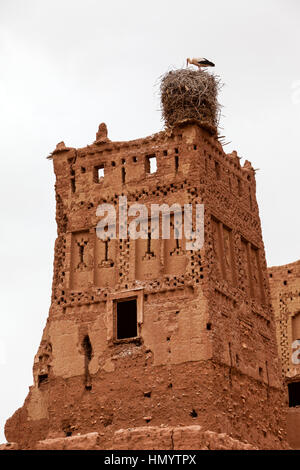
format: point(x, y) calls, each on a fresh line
point(245, 266)
point(105, 257)
point(216, 244)
point(252, 270)
point(81, 260)
point(175, 260)
point(223, 250)
point(256, 276)
point(147, 257)
point(228, 254)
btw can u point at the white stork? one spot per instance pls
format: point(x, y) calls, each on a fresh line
point(199, 62)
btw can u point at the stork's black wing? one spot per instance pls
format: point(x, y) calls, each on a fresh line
point(206, 62)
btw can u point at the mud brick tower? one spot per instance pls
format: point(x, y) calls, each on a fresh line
point(285, 295)
point(144, 334)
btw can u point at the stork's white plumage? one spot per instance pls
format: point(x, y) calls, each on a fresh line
point(200, 62)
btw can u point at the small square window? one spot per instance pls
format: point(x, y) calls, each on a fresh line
point(151, 164)
point(126, 319)
point(98, 173)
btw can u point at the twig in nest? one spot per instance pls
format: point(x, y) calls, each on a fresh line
point(190, 94)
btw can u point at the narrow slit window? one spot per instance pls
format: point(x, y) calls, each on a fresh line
point(123, 175)
point(176, 163)
point(88, 352)
point(126, 319)
point(73, 185)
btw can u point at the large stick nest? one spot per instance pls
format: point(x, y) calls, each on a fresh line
point(188, 94)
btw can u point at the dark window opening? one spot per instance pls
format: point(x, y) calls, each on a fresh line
point(165, 152)
point(106, 250)
point(193, 413)
point(134, 159)
point(42, 379)
point(126, 319)
point(81, 252)
point(83, 170)
point(73, 185)
point(285, 283)
point(88, 352)
point(294, 394)
point(123, 175)
point(149, 252)
point(176, 163)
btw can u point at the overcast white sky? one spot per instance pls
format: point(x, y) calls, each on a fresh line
point(67, 65)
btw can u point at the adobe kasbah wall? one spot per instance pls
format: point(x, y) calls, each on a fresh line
point(203, 369)
point(285, 296)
